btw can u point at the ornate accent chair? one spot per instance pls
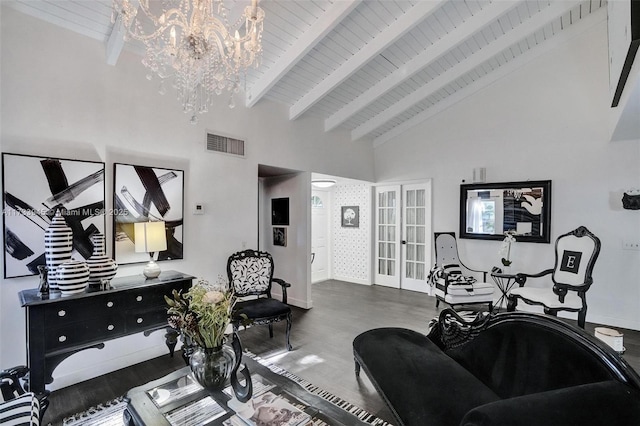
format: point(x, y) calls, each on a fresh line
point(451, 286)
point(576, 254)
point(250, 274)
point(17, 406)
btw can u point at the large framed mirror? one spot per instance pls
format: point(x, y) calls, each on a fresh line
point(488, 210)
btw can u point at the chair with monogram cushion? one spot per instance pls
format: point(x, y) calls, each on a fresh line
point(17, 406)
point(250, 275)
point(576, 254)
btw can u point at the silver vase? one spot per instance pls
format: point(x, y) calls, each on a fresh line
point(101, 267)
point(58, 245)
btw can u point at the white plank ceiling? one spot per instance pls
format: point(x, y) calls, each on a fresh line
point(374, 68)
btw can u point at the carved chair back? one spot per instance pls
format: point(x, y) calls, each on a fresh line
point(250, 273)
point(576, 254)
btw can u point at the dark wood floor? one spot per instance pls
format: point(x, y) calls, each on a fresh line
point(321, 339)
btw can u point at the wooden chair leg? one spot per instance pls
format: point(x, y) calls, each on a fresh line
point(357, 368)
point(582, 317)
point(511, 303)
point(271, 331)
point(289, 347)
point(437, 302)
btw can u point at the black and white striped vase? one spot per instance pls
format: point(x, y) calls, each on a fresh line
point(101, 267)
point(72, 277)
point(58, 244)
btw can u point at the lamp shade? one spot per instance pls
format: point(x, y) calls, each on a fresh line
point(150, 237)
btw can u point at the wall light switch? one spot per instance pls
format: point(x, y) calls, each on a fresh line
point(198, 209)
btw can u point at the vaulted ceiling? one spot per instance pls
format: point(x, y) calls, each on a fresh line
point(375, 67)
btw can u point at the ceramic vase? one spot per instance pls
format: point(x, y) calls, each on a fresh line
point(212, 367)
point(58, 244)
point(101, 267)
point(72, 277)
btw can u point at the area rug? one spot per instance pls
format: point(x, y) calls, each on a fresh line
point(110, 413)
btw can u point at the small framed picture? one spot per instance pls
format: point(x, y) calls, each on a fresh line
point(280, 236)
point(350, 216)
point(280, 211)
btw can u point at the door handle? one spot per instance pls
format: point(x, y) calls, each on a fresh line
point(313, 256)
point(403, 242)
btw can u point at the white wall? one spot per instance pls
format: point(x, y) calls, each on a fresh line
point(549, 120)
point(60, 99)
point(292, 263)
point(351, 247)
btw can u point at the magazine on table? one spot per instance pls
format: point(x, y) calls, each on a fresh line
point(174, 390)
point(260, 386)
point(269, 409)
point(196, 413)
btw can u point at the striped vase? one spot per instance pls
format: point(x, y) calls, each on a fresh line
point(101, 267)
point(58, 244)
point(72, 277)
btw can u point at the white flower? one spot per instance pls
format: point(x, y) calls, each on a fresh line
point(213, 297)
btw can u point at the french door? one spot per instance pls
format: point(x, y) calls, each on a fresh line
point(403, 236)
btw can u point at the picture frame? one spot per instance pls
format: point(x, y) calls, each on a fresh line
point(280, 211)
point(350, 216)
point(33, 188)
point(280, 236)
point(143, 193)
point(488, 210)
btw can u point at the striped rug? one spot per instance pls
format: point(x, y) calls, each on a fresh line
point(110, 413)
point(311, 388)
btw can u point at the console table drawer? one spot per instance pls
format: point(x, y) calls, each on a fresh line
point(79, 333)
point(71, 311)
point(140, 321)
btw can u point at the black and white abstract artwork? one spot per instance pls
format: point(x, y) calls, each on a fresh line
point(350, 216)
point(143, 194)
point(280, 236)
point(33, 189)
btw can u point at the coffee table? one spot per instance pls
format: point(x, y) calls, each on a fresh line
point(143, 410)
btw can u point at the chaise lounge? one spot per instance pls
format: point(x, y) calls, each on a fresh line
point(507, 369)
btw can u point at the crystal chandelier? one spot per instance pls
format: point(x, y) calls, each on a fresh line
point(191, 43)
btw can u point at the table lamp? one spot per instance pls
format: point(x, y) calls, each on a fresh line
point(150, 237)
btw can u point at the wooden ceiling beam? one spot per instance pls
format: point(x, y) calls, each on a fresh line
point(323, 26)
point(386, 38)
point(571, 32)
point(430, 55)
point(543, 18)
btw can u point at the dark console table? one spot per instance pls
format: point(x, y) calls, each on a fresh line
point(58, 327)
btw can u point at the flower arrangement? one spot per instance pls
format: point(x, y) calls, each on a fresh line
point(203, 313)
point(505, 249)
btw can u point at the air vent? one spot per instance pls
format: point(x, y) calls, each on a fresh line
point(225, 145)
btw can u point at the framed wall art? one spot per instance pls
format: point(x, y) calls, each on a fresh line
point(350, 216)
point(33, 189)
point(280, 236)
point(143, 194)
point(280, 211)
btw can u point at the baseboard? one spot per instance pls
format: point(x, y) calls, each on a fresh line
point(293, 301)
point(352, 280)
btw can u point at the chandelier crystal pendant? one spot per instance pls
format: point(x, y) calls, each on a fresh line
point(191, 43)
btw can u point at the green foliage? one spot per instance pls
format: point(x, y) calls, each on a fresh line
point(203, 313)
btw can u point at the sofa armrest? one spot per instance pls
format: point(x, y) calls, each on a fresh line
point(602, 403)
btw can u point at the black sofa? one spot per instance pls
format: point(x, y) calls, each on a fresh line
point(507, 369)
